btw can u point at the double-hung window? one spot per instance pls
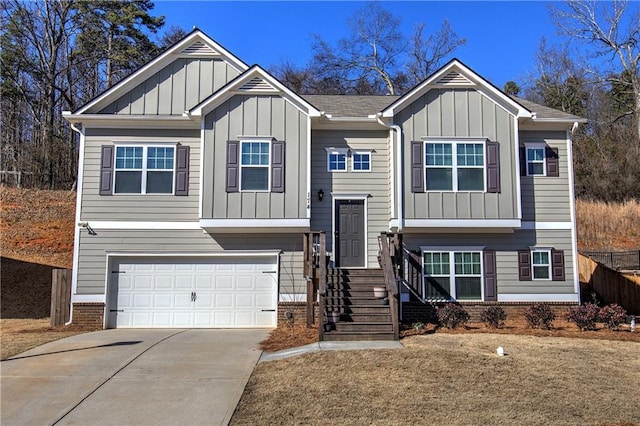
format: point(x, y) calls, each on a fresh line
point(535, 160)
point(144, 169)
point(451, 274)
point(337, 159)
point(254, 165)
point(541, 264)
point(454, 166)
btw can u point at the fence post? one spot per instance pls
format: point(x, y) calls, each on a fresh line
point(60, 296)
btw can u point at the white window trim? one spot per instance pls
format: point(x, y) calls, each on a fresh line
point(143, 184)
point(454, 164)
point(535, 145)
point(549, 269)
point(241, 166)
point(361, 152)
point(337, 151)
point(452, 274)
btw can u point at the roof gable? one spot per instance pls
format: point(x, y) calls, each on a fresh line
point(254, 81)
point(195, 44)
point(455, 74)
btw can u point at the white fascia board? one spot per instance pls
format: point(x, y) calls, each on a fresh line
point(157, 64)
point(462, 223)
point(538, 297)
point(226, 253)
point(88, 298)
point(142, 225)
point(528, 225)
point(127, 121)
point(226, 226)
point(232, 87)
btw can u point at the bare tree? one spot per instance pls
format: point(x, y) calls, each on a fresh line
point(612, 30)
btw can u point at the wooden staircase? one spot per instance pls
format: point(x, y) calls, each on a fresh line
point(362, 315)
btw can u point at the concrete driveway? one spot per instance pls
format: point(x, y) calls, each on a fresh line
point(131, 377)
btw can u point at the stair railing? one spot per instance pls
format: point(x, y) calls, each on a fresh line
point(386, 253)
point(315, 271)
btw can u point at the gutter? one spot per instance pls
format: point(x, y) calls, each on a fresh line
point(398, 131)
point(76, 237)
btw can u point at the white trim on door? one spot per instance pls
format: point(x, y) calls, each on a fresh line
point(335, 197)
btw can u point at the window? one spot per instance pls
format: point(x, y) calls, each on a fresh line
point(535, 160)
point(454, 166)
point(541, 264)
point(144, 169)
point(337, 159)
point(453, 275)
point(254, 166)
point(361, 161)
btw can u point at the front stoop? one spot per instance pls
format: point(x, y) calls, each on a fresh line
point(362, 315)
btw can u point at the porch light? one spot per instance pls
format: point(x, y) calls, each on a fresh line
point(320, 194)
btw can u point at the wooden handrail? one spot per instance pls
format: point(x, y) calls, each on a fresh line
point(387, 265)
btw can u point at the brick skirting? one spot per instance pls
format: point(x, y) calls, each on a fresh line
point(416, 311)
point(299, 311)
point(88, 315)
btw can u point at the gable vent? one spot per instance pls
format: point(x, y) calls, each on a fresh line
point(199, 48)
point(454, 78)
point(257, 84)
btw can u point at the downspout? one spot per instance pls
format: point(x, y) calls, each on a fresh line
point(398, 131)
point(76, 238)
point(572, 192)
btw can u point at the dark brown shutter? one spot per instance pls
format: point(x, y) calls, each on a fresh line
point(277, 166)
point(524, 265)
point(551, 155)
point(182, 170)
point(417, 167)
point(523, 161)
point(490, 276)
point(493, 167)
point(557, 265)
point(106, 170)
point(233, 166)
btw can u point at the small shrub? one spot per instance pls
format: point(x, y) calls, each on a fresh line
point(418, 325)
point(539, 315)
point(585, 316)
point(494, 316)
point(452, 315)
point(612, 316)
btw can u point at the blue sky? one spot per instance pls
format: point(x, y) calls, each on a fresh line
point(502, 37)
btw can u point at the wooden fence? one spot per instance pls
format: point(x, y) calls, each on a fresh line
point(60, 296)
point(610, 286)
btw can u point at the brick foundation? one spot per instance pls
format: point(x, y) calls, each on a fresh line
point(299, 310)
point(88, 315)
point(416, 311)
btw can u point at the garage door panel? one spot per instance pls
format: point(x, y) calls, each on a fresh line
point(229, 292)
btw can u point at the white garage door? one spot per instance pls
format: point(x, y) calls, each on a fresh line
point(223, 292)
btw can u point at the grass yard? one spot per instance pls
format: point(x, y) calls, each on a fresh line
point(452, 379)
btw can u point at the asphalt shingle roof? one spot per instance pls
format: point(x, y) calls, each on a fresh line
point(545, 112)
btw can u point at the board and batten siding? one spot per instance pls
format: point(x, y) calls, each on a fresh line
point(138, 207)
point(175, 89)
point(506, 247)
point(93, 259)
point(260, 116)
point(375, 183)
point(460, 113)
point(544, 198)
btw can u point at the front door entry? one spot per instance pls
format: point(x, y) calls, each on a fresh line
point(349, 233)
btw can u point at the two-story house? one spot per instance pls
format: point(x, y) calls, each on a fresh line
point(199, 175)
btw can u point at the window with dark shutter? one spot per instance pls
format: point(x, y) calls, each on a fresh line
point(551, 155)
point(557, 265)
point(524, 265)
point(277, 166)
point(233, 166)
point(417, 167)
point(106, 170)
point(490, 276)
point(182, 170)
point(523, 161)
point(493, 167)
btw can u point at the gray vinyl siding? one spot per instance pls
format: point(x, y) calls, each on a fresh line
point(174, 89)
point(547, 199)
point(93, 249)
point(270, 116)
point(460, 113)
point(133, 207)
point(507, 246)
point(376, 183)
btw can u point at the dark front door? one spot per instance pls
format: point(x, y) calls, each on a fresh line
point(349, 233)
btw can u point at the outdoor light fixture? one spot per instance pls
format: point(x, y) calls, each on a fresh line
point(320, 194)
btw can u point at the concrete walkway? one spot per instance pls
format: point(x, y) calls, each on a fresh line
point(331, 346)
point(130, 377)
